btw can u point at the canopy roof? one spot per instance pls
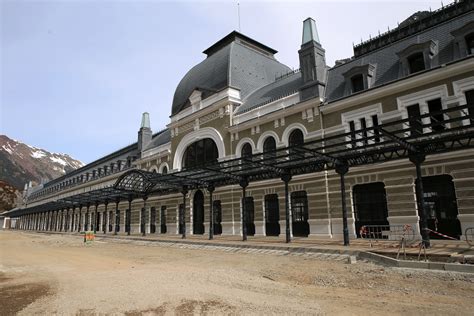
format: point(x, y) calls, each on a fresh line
point(386, 142)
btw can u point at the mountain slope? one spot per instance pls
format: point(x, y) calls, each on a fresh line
point(21, 163)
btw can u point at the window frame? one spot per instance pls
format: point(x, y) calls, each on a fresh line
point(367, 72)
point(429, 51)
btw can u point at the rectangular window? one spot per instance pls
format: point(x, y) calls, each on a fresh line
point(152, 220)
point(437, 118)
point(272, 208)
point(414, 119)
point(470, 44)
point(352, 134)
point(363, 125)
point(357, 82)
point(217, 217)
point(370, 206)
point(416, 62)
point(470, 103)
point(299, 206)
point(375, 124)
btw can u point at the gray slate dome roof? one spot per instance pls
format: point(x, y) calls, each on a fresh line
point(235, 61)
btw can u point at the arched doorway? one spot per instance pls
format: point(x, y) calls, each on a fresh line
point(198, 213)
point(441, 206)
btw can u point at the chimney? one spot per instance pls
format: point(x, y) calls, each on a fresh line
point(312, 62)
point(144, 134)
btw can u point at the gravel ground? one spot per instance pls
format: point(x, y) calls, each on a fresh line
point(59, 275)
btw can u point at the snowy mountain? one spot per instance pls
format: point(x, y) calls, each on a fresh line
point(21, 163)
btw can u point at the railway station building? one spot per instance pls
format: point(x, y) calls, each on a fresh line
point(254, 148)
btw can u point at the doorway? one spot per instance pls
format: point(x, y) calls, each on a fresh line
point(272, 215)
point(198, 213)
point(441, 206)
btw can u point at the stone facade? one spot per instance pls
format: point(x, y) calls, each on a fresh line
point(231, 119)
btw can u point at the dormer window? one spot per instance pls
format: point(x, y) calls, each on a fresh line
point(359, 78)
point(416, 62)
point(470, 44)
point(418, 57)
point(357, 82)
point(464, 40)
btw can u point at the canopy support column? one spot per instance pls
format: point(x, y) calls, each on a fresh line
point(243, 184)
point(286, 178)
point(104, 217)
point(79, 219)
point(342, 168)
point(210, 189)
point(73, 219)
point(142, 216)
point(86, 217)
point(96, 218)
point(56, 220)
point(117, 217)
point(182, 215)
point(418, 159)
point(128, 216)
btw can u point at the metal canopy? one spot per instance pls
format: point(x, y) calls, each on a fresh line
point(431, 133)
point(400, 139)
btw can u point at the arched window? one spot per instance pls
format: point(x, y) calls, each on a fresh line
point(269, 147)
point(246, 151)
point(201, 152)
point(296, 138)
point(164, 170)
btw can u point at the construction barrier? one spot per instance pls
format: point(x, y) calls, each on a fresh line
point(439, 234)
point(89, 236)
point(469, 234)
point(387, 232)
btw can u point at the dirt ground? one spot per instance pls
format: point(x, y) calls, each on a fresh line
point(59, 275)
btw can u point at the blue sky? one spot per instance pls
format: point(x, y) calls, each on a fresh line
point(76, 75)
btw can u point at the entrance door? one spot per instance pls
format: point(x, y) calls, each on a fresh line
point(104, 222)
point(127, 221)
point(217, 217)
point(163, 220)
point(142, 220)
point(181, 219)
point(370, 205)
point(198, 213)
point(117, 221)
point(299, 213)
point(249, 215)
point(441, 206)
point(152, 220)
point(272, 215)
point(111, 216)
